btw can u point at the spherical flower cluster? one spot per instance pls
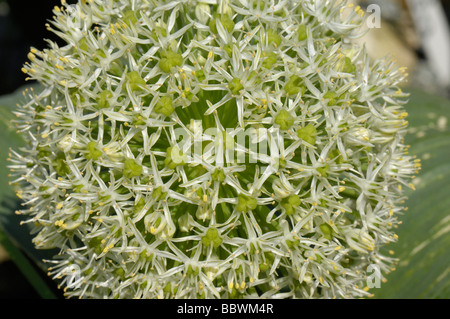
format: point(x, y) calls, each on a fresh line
point(212, 149)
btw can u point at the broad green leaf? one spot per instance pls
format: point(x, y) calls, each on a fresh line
point(423, 271)
point(26, 267)
point(9, 138)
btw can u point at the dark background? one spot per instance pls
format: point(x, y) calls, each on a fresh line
point(22, 26)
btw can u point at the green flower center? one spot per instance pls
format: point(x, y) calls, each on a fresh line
point(294, 85)
point(212, 238)
point(169, 60)
point(131, 168)
point(235, 86)
point(290, 203)
point(164, 106)
point(327, 231)
point(302, 33)
point(308, 134)
point(284, 119)
point(225, 20)
point(174, 157)
point(93, 153)
point(269, 60)
point(158, 193)
point(103, 99)
point(246, 203)
point(134, 80)
point(273, 37)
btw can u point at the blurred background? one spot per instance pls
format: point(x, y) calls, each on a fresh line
point(414, 32)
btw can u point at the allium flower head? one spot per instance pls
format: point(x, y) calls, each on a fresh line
point(212, 149)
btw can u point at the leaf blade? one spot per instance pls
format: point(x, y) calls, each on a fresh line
point(423, 270)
